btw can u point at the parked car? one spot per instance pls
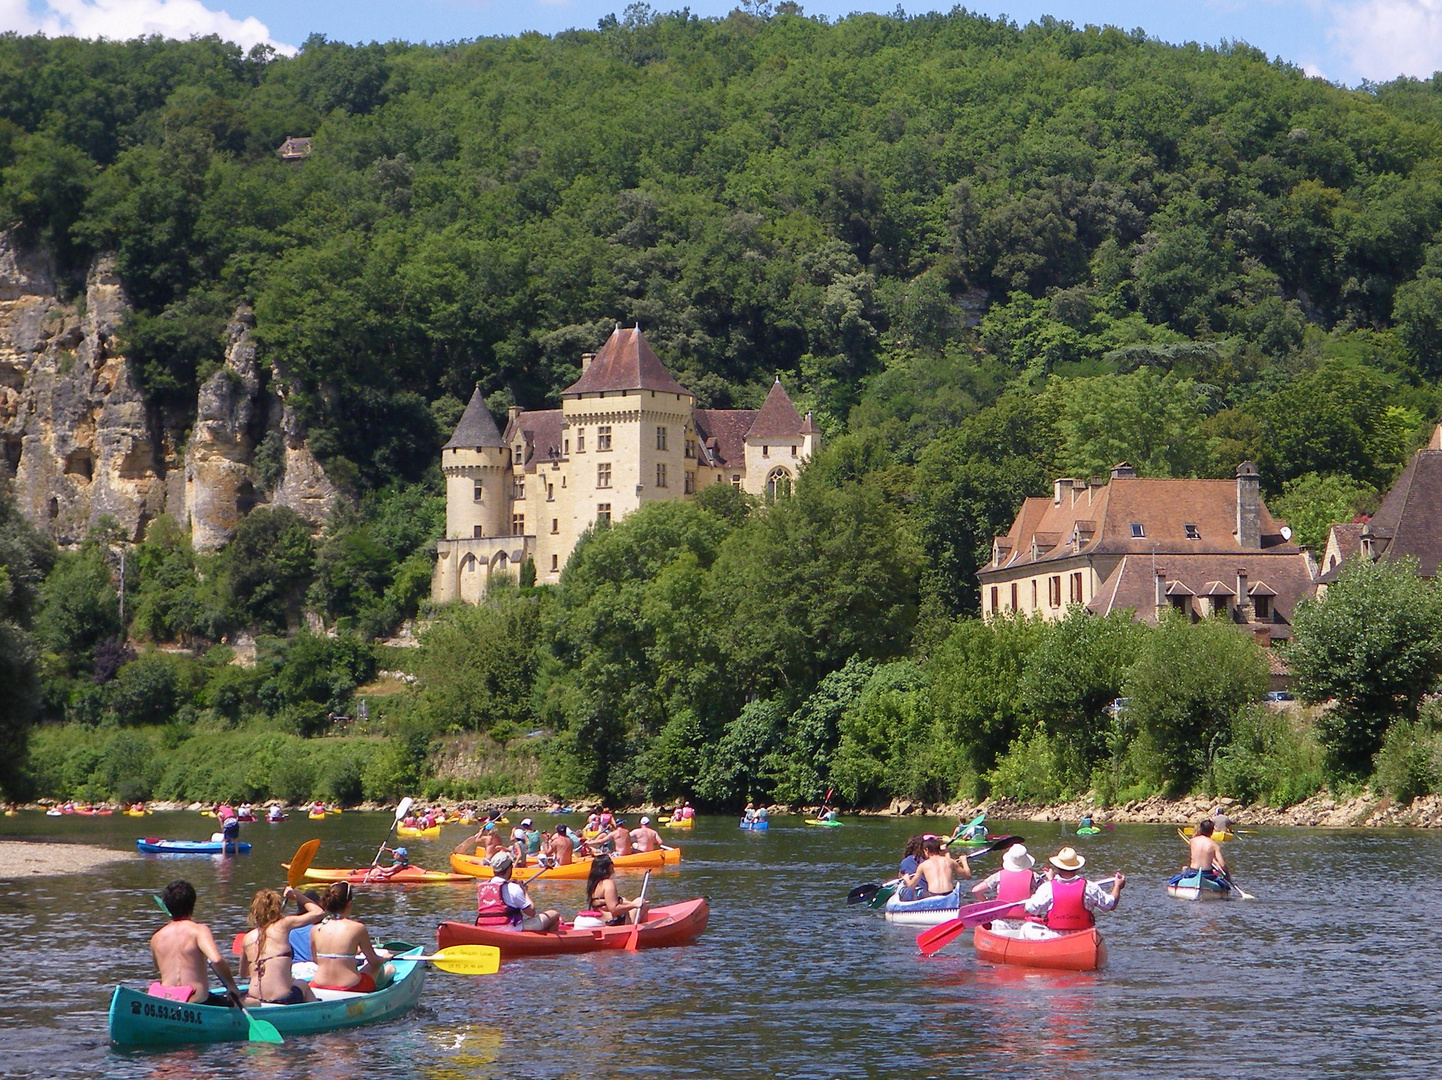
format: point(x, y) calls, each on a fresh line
point(1279, 695)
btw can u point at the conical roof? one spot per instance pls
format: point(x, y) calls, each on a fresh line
point(626, 362)
point(477, 427)
point(778, 418)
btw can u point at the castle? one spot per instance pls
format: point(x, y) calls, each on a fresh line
point(626, 433)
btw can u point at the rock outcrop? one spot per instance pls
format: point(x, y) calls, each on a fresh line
point(81, 442)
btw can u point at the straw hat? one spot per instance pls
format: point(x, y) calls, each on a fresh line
point(1017, 858)
point(1067, 859)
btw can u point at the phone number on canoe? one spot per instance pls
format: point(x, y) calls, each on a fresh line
point(177, 1013)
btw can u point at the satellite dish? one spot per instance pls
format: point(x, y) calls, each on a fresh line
point(1286, 532)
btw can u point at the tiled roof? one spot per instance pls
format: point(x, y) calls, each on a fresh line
point(625, 362)
point(541, 432)
point(1101, 517)
point(477, 427)
point(778, 418)
point(722, 435)
point(1411, 514)
point(1133, 584)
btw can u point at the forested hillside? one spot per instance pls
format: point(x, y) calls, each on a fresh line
point(984, 254)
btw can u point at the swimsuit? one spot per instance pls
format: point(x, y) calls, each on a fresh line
point(366, 985)
point(293, 996)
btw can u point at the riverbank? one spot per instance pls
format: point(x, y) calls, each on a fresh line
point(26, 858)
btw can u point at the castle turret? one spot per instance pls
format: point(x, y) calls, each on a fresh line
point(477, 467)
point(777, 442)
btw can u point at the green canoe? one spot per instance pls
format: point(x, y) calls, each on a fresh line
point(137, 1019)
point(828, 824)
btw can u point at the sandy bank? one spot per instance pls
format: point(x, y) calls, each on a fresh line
point(23, 858)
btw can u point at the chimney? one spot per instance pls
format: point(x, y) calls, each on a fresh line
point(1244, 602)
point(1161, 592)
point(1249, 507)
point(1058, 487)
point(586, 358)
point(513, 413)
point(1122, 471)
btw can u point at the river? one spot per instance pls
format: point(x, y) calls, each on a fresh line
point(1333, 971)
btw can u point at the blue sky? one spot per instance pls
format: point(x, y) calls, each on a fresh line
point(1345, 41)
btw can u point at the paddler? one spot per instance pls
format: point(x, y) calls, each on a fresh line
point(1066, 900)
point(1086, 822)
point(502, 896)
point(559, 849)
point(1206, 853)
point(974, 830)
point(749, 814)
point(826, 814)
point(182, 948)
point(1220, 822)
point(400, 859)
point(938, 870)
point(645, 838)
point(1016, 880)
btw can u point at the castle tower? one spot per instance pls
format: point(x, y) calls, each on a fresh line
point(477, 467)
point(777, 442)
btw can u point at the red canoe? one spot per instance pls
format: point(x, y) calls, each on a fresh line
point(1083, 950)
point(675, 924)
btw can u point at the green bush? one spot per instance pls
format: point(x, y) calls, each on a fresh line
point(1029, 771)
point(1270, 759)
point(1409, 765)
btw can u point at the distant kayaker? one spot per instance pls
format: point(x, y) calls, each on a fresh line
point(1066, 900)
point(502, 896)
point(826, 814)
point(182, 948)
point(336, 939)
point(973, 830)
point(1220, 822)
point(400, 859)
point(266, 955)
point(688, 811)
point(275, 813)
point(645, 838)
point(1206, 852)
point(1086, 822)
point(1016, 880)
point(602, 896)
point(229, 828)
point(937, 870)
point(762, 814)
point(749, 814)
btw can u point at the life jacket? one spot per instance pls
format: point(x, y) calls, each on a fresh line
point(1068, 910)
point(1014, 885)
point(491, 906)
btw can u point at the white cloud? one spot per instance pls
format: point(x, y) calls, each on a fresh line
point(1383, 39)
point(124, 19)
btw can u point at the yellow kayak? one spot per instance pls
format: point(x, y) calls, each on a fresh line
point(684, 823)
point(477, 866)
point(1219, 837)
point(428, 834)
point(135, 813)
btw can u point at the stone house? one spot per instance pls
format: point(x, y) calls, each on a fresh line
point(627, 433)
point(1202, 547)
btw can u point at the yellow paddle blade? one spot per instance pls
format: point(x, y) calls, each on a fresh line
point(468, 959)
point(295, 872)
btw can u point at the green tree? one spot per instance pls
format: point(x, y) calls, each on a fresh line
point(1373, 646)
point(271, 564)
point(80, 607)
point(478, 664)
point(1312, 504)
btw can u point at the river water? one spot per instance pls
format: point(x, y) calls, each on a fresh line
point(1332, 972)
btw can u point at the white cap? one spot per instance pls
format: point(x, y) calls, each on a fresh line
point(645, 820)
point(525, 821)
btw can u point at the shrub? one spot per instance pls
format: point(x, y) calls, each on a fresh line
point(1269, 759)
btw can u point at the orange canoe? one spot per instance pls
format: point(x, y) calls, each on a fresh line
point(476, 865)
point(1083, 950)
point(674, 924)
point(411, 875)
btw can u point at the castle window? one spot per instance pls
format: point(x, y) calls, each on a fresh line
point(660, 475)
point(603, 512)
point(568, 448)
point(520, 453)
point(476, 532)
point(1053, 590)
point(765, 450)
point(580, 442)
point(1262, 606)
point(603, 437)
point(1137, 530)
point(661, 440)
point(550, 492)
point(1192, 532)
point(1034, 604)
point(778, 484)
point(1013, 596)
point(793, 451)
point(477, 492)
point(690, 448)
point(555, 563)
point(995, 598)
point(555, 526)
point(1076, 588)
point(735, 479)
point(518, 524)
point(690, 484)
point(603, 475)
point(518, 490)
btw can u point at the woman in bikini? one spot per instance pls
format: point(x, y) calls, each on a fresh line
point(601, 895)
point(335, 942)
point(266, 953)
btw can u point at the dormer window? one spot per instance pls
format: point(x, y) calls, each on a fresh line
point(1137, 531)
point(1192, 532)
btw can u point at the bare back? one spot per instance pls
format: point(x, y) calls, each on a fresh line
point(645, 839)
point(562, 849)
point(268, 961)
point(181, 949)
point(334, 944)
point(621, 837)
point(940, 874)
point(1206, 854)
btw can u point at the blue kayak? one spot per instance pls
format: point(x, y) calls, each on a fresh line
point(152, 846)
point(137, 1019)
point(755, 826)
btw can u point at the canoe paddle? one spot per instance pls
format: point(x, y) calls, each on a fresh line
point(464, 959)
point(930, 941)
point(402, 809)
point(300, 863)
point(633, 943)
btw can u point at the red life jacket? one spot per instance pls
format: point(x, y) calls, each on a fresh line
point(491, 906)
point(1068, 910)
point(1014, 885)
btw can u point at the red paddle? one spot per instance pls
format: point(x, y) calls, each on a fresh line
point(633, 943)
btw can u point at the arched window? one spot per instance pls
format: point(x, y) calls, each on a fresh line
point(778, 484)
point(468, 564)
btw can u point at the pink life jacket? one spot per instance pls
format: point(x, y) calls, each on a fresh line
point(1014, 885)
point(491, 907)
point(1068, 908)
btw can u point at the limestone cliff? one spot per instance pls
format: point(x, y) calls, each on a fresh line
point(81, 441)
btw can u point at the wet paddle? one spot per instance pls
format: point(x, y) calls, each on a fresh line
point(464, 959)
point(402, 809)
point(930, 941)
point(300, 863)
point(633, 943)
point(863, 893)
point(1240, 891)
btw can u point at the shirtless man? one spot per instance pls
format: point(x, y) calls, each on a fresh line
point(1206, 852)
point(486, 842)
point(937, 869)
point(182, 948)
point(645, 838)
point(620, 838)
point(559, 848)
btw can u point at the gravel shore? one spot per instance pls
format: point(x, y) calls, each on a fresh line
point(24, 858)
